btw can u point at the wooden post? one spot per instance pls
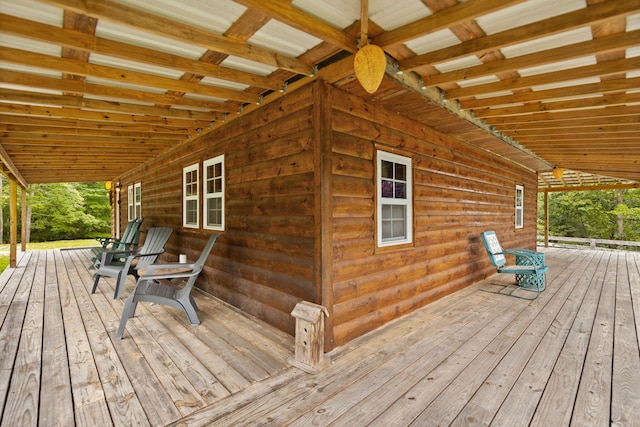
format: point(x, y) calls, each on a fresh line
point(546, 219)
point(13, 221)
point(23, 217)
point(309, 339)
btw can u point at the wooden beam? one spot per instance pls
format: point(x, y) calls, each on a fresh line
point(15, 131)
point(283, 11)
point(139, 19)
point(89, 43)
point(412, 82)
point(602, 101)
point(79, 142)
point(66, 113)
point(607, 86)
point(28, 97)
point(620, 123)
point(601, 128)
point(557, 116)
point(549, 56)
point(597, 70)
point(445, 18)
point(112, 92)
point(565, 22)
point(10, 169)
point(70, 125)
point(70, 66)
point(596, 187)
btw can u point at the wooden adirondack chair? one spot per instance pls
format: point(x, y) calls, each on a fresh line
point(121, 263)
point(161, 284)
point(128, 241)
point(529, 268)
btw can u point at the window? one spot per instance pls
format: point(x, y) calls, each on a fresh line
point(130, 212)
point(519, 206)
point(394, 199)
point(190, 214)
point(134, 201)
point(137, 200)
point(213, 193)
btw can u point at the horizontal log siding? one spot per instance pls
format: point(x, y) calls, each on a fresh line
point(264, 262)
point(459, 191)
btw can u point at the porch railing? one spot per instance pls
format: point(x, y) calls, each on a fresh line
point(593, 243)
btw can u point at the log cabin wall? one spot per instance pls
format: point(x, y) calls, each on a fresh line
point(459, 191)
point(264, 261)
point(300, 203)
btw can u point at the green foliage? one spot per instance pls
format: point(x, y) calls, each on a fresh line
point(63, 211)
point(592, 214)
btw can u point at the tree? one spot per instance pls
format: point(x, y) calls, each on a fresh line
point(604, 214)
point(65, 211)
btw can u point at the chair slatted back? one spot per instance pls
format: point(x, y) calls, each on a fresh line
point(493, 247)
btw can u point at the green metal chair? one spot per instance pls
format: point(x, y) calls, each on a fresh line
point(529, 269)
point(162, 284)
point(119, 264)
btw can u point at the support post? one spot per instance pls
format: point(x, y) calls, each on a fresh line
point(546, 219)
point(13, 221)
point(23, 217)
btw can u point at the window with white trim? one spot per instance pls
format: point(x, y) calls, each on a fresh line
point(213, 193)
point(190, 201)
point(134, 201)
point(130, 211)
point(394, 199)
point(519, 206)
point(137, 200)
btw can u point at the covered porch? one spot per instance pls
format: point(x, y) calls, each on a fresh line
point(571, 357)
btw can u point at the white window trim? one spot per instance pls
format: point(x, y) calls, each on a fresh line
point(196, 197)
point(137, 202)
point(130, 211)
point(380, 201)
point(519, 208)
point(206, 196)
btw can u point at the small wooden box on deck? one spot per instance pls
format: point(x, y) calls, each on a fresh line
point(309, 339)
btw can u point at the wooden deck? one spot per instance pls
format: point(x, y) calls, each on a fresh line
point(569, 358)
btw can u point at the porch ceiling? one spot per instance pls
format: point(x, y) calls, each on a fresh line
point(90, 89)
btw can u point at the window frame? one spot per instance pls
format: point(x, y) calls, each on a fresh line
point(130, 204)
point(186, 197)
point(407, 202)
point(134, 201)
point(519, 206)
point(207, 196)
point(137, 200)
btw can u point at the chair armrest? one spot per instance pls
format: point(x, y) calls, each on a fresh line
point(169, 271)
point(530, 256)
point(521, 250)
point(150, 270)
point(108, 256)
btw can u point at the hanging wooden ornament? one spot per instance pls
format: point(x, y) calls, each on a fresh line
point(558, 172)
point(369, 65)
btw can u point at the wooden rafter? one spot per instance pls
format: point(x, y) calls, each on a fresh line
point(132, 91)
point(125, 15)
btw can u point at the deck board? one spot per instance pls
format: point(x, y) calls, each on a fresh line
point(626, 361)
point(475, 357)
